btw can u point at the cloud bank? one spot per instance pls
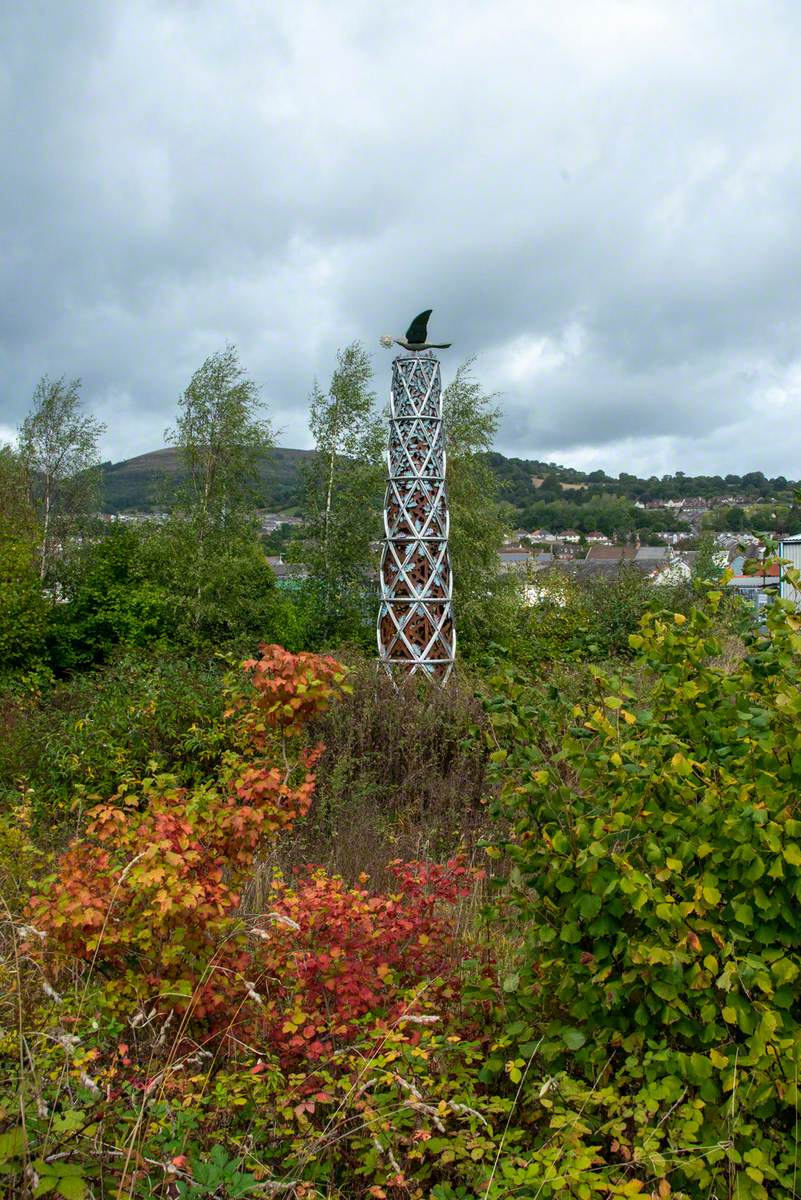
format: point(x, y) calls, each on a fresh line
point(601, 199)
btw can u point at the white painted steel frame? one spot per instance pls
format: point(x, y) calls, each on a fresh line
point(415, 621)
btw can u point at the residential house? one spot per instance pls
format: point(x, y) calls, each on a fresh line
point(615, 554)
point(790, 549)
point(286, 573)
point(652, 554)
point(513, 558)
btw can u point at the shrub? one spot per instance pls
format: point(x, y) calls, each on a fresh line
point(312, 1022)
point(657, 857)
point(150, 893)
point(593, 618)
point(64, 745)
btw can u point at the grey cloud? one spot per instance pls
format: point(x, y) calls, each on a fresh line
point(290, 179)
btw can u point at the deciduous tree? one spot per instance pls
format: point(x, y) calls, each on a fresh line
point(58, 445)
point(23, 611)
point(484, 601)
point(221, 434)
point(214, 548)
point(344, 488)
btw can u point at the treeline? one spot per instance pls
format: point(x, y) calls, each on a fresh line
point(148, 482)
point(519, 476)
point(74, 587)
point(611, 515)
point(556, 498)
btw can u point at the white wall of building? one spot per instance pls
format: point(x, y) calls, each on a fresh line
point(790, 549)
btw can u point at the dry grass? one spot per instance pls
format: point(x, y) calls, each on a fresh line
point(403, 775)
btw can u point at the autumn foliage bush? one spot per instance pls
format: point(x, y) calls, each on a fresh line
point(149, 896)
point(350, 953)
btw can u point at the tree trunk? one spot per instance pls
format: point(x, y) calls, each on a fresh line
point(43, 565)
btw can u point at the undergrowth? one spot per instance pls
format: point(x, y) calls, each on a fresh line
point(268, 960)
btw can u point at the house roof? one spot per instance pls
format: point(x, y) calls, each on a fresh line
point(653, 553)
point(610, 553)
point(586, 568)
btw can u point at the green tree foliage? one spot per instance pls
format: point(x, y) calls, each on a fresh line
point(109, 600)
point(220, 434)
point(708, 566)
point(485, 603)
point(201, 579)
point(159, 586)
point(222, 590)
point(343, 498)
point(58, 445)
point(209, 558)
point(23, 610)
point(591, 619)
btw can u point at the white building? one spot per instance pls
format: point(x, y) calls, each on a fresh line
point(790, 549)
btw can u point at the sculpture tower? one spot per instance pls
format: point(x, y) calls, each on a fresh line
point(415, 621)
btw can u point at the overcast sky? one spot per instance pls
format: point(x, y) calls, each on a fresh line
point(599, 198)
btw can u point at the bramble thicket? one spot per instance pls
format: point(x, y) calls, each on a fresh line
point(271, 925)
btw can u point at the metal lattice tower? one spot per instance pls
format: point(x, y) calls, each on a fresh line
point(415, 620)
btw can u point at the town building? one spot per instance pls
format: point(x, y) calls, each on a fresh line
point(790, 549)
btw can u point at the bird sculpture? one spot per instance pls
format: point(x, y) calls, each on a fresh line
point(415, 336)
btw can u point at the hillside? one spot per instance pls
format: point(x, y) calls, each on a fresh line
point(539, 494)
point(148, 481)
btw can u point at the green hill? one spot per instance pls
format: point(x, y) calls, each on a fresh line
point(147, 483)
point(539, 494)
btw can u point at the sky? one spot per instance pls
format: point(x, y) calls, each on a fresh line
point(599, 199)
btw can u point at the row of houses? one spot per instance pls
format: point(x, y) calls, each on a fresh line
point(663, 565)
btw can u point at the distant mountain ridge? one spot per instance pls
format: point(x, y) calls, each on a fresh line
point(147, 483)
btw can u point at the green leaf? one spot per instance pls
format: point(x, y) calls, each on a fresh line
point(680, 765)
point(699, 1068)
point(72, 1188)
point(792, 853)
point(570, 933)
point(574, 1039)
point(511, 983)
point(12, 1143)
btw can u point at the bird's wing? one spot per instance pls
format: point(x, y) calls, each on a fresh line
point(416, 333)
